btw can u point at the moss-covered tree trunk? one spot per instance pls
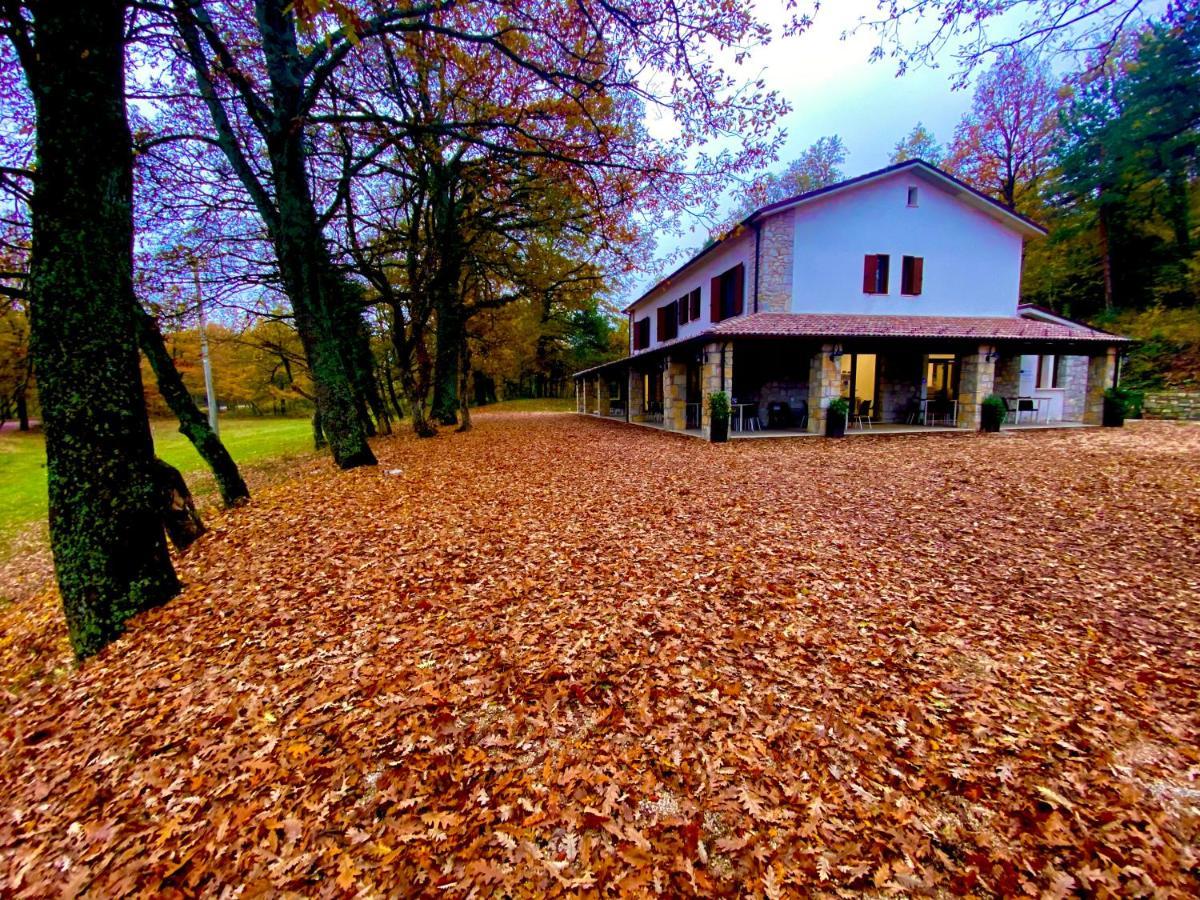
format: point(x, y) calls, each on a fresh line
point(110, 553)
point(193, 424)
point(446, 287)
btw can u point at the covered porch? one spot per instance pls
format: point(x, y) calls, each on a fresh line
point(781, 385)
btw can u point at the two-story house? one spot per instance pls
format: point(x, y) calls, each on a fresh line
point(898, 290)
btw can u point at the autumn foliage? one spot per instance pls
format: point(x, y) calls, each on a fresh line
point(608, 661)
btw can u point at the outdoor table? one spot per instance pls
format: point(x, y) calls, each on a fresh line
point(953, 412)
point(740, 409)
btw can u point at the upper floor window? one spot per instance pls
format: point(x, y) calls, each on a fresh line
point(728, 294)
point(912, 275)
point(1047, 371)
point(694, 305)
point(641, 334)
point(913, 196)
point(668, 321)
point(684, 310)
point(875, 273)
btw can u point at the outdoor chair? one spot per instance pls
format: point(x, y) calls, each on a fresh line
point(779, 415)
point(1026, 405)
point(862, 418)
point(802, 415)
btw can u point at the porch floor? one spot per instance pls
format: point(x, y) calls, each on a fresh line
point(879, 428)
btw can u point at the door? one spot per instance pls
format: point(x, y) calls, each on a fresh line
point(858, 383)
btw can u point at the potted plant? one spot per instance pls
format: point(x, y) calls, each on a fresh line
point(718, 412)
point(835, 418)
point(1116, 407)
point(993, 412)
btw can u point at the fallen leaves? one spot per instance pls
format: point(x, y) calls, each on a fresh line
point(557, 655)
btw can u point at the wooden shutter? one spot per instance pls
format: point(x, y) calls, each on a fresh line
point(884, 265)
point(694, 302)
point(738, 274)
point(645, 332)
point(683, 310)
point(870, 273)
point(714, 301)
point(918, 275)
point(662, 323)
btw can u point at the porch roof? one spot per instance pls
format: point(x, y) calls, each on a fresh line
point(841, 326)
point(982, 328)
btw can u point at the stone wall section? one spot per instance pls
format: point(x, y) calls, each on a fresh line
point(1100, 371)
point(603, 401)
point(1073, 379)
point(824, 383)
point(711, 380)
point(900, 377)
point(675, 396)
point(976, 379)
point(1182, 405)
point(776, 260)
point(637, 396)
point(1007, 382)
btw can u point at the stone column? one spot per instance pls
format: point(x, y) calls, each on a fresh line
point(1073, 378)
point(976, 378)
point(601, 395)
point(711, 380)
point(675, 396)
point(824, 383)
point(583, 392)
point(637, 396)
point(776, 263)
point(1101, 369)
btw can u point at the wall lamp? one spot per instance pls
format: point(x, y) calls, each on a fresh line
point(837, 353)
point(992, 355)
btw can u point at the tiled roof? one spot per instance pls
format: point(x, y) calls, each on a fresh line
point(996, 328)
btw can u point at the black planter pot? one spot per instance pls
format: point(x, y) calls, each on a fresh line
point(719, 432)
point(1114, 413)
point(835, 425)
point(989, 420)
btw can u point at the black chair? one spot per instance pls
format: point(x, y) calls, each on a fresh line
point(802, 414)
point(862, 418)
point(779, 415)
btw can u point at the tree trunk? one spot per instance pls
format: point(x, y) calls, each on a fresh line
point(448, 340)
point(193, 424)
point(464, 387)
point(178, 511)
point(22, 408)
point(110, 553)
point(390, 384)
point(319, 441)
point(1102, 234)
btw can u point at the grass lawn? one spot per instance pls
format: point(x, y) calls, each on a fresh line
point(250, 441)
point(561, 656)
point(529, 404)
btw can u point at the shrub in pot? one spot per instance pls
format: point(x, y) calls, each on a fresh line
point(1116, 405)
point(993, 412)
point(835, 418)
point(718, 411)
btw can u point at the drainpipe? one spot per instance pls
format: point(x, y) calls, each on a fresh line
point(757, 243)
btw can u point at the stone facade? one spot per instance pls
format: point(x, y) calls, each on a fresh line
point(824, 383)
point(1007, 382)
point(1100, 372)
point(900, 377)
point(776, 249)
point(1073, 379)
point(637, 396)
point(675, 396)
point(711, 380)
point(976, 379)
point(1172, 405)
point(603, 401)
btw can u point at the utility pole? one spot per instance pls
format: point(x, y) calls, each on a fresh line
point(204, 360)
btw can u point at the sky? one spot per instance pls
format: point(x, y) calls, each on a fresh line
point(834, 89)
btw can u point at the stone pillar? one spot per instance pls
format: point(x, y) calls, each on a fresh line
point(637, 396)
point(976, 378)
point(711, 380)
point(603, 405)
point(583, 395)
point(824, 383)
point(1073, 378)
point(1101, 369)
point(776, 263)
point(675, 396)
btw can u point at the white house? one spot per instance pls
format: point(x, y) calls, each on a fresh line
point(898, 290)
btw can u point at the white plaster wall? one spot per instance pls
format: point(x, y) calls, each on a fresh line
point(1051, 406)
point(972, 262)
point(736, 250)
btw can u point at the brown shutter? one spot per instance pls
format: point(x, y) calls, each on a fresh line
point(739, 289)
point(870, 273)
point(918, 274)
point(906, 271)
point(662, 323)
point(694, 301)
point(683, 310)
point(714, 301)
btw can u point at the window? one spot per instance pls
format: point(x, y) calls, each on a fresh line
point(641, 334)
point(728, 294)
point(694, 304)
point(1047, 372)
point(684, 309)
point(875, 273)
point(912, 274)
point(912, 196)
point(668, 322)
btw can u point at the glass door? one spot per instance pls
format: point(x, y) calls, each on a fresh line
point(858, 384)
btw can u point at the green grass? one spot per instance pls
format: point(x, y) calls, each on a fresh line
point(249, 441)
point(544, 404)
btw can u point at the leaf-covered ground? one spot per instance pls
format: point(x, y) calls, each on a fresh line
point(564, 655)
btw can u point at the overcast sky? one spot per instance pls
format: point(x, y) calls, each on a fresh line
point(834, 89)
